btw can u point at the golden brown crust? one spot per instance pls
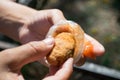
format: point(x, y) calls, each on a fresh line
point(63, 49)
point(68, 37)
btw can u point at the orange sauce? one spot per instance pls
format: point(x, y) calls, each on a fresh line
point(88, 50)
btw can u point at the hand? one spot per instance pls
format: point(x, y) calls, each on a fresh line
point(12, 60)
point(34, 31)
point(38, 25)
point(25, 24)
point(37, 28)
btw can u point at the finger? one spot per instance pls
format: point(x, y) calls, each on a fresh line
point(55, 15)
point(66, 70)
point(52, 70)
point(29, 52)
point(98, 49)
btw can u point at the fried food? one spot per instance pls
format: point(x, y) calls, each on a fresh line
point(63, 49)
point(69, 42)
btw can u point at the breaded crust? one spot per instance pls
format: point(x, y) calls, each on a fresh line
point(69, 42)
point(63, 49)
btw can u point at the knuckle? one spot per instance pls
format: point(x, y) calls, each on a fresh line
point(57, 11)
point(38, 47)
point(56, 15)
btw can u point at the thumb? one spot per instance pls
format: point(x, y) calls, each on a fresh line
point(29, 52)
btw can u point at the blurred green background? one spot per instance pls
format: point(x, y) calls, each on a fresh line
point(98, 18)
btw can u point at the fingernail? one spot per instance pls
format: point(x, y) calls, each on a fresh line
point(49, 41)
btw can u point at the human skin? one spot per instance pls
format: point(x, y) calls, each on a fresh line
point(25, 25)
point(12, 60)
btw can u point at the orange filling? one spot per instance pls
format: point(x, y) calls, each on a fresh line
point(88, 50)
